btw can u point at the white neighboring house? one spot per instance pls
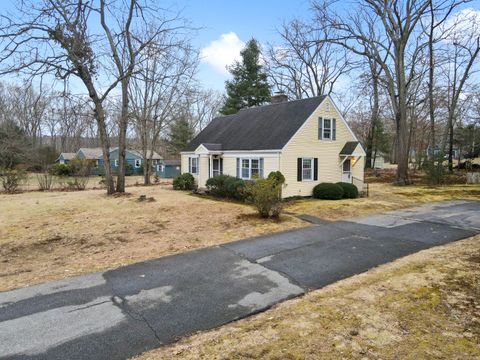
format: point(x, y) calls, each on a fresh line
point(307, 140)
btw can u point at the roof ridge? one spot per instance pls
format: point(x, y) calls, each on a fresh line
point(268, 105)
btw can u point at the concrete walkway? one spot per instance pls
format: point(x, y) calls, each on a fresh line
point(120, 313)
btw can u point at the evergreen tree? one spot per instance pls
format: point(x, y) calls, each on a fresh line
point(249, 86)
point(181, 133)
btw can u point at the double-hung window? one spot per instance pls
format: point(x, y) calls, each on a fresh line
point(193, 165)
point(327, 129)
point(307, 169)
point(138, 163)
point(248, 168)
point(116, 162)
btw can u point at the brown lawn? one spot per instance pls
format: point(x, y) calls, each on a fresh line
point(383, 197)
point(424, 306)
point(52, 235)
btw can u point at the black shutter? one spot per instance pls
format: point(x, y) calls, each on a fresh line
point(334, 129)
point(221, 165)
point(299, 169)
point(315, 169)
point(320, 127)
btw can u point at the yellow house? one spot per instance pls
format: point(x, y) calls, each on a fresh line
point(307, 140)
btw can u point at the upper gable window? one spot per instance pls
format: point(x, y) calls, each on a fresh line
point(327, 129)
point(327, 107)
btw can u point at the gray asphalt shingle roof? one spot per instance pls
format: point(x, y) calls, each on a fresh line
point(349, 148)
point(68, 156)
point(267, 127)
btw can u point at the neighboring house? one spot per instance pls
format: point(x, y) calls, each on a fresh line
point(307, 140)
point(65, 158)
point(437, 151)
point(168, 168)
point(378, 161)
point(134, 160)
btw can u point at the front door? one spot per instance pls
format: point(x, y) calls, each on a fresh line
point(216, 167)
point(347, 171)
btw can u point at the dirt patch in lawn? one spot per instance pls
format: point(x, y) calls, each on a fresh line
point(424, 306)
point(382, 197)
point(52, 235)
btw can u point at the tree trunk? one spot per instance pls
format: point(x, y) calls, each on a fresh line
point(122, 138)
point(401, 119)
point(100, 116)
point(450, 144)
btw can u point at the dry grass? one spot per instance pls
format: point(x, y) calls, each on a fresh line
point(31, 182)
point(52, 235)
point(383, 197)
point(424, 306)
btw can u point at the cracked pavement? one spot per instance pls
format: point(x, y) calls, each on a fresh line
point(122, 312)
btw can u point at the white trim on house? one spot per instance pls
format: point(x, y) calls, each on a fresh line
point(115, 163)
point(138, 163)
point(260, 168)
point(273, 151)
point(330, 129)
point(190, 166)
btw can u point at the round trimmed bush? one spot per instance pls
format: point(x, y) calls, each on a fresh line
point(186, 181)
point(226, 186)
point(328, 191)
point(350, 191)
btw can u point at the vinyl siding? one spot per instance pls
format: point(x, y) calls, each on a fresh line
point(305, 143)
point(270, 163)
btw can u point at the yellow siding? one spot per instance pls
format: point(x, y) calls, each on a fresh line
point(229, 166)
point(306, 144)
point(184, 164)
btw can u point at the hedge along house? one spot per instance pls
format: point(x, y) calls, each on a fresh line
point(307, 140)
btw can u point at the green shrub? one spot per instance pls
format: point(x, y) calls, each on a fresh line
point(184, 181)
point(350, 191)
point(435, 169)
point(265, 194)
point(328, 191)
point(129, 169)
point(60, 170)
point(226, 186)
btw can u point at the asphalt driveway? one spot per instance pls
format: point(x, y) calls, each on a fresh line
point(122, 312)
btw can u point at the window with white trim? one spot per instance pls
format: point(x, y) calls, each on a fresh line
point(307, 169)
point(138, 163)
point(250, 168)
point(116, 162)
point(327, 129)
point(193, 165)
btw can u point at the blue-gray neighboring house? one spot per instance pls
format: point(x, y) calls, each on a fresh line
point(65, 158)
point(134, 159)
point(168, 168)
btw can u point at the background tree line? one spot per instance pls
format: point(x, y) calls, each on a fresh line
point(403, 72)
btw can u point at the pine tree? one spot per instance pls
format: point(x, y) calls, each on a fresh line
point(249, 86)
point(181, 133)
